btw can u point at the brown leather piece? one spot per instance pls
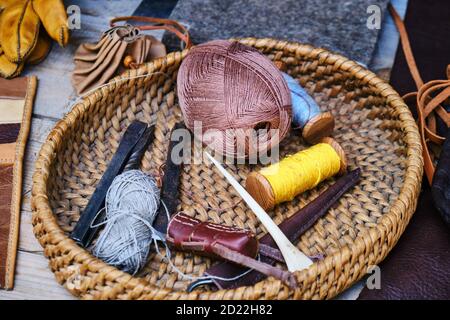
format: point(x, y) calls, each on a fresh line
point(7, 153)
point(9, 132)
point(419, 265)
point(187, 233)
point(441, 183)
point(6, 180)
point(14, 88)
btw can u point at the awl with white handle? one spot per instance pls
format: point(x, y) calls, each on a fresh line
point(295, 259)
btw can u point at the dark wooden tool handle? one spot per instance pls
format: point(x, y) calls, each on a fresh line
point(135, 159)
point(83, 233)
point(170, 182)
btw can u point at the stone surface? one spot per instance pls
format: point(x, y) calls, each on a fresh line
point(337, 25)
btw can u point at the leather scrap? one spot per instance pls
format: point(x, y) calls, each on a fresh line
point(15, 121)
point(419, 265)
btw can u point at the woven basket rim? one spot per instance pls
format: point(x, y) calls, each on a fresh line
point(396, 219)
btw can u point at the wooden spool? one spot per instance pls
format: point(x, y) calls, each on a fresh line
point(261, 190)
point(317, 127)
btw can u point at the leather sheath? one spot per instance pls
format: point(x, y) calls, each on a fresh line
point(16, 103)
point(190, 234)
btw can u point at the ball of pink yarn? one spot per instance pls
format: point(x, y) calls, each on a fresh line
point(233, 90)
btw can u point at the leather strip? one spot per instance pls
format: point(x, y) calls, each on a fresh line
point(11, 111)
point(7, 153)
point(159, 24)
point(14, 88)
point(6, 179)
point(170, 183)
point(427, 100)
point(9, 132)
point(11, 178)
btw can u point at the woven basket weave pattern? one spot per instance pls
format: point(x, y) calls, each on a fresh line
point(373, 125)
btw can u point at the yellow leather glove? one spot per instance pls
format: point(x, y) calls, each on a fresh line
point(22, 39)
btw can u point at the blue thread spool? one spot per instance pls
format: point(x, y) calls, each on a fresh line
point(306, 114)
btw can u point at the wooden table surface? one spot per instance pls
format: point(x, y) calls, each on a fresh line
point(55, 96)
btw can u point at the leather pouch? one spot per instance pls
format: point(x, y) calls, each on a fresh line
point(16, 102)
point(96, 63)
point(121, 47)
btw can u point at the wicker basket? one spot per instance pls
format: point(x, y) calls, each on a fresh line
point(373, 125)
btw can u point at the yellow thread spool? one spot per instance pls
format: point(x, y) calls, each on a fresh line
point(296, 174)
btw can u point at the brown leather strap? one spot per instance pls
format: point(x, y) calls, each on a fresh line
point(427, 99)
point(159, 24)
